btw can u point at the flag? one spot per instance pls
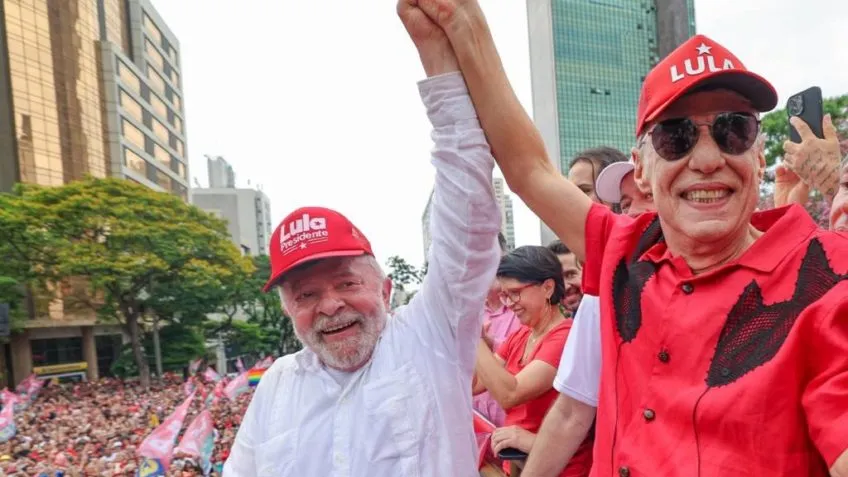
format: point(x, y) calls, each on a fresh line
point(253, 376)
point(199, 440)
point(210, 375)
point(237, 386)
point(150, 468)
point(217, 393)
point(7, 422)
point(159, 444)
point(189, 387)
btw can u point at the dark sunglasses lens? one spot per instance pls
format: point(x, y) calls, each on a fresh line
point(735, 133)
point(672, 139)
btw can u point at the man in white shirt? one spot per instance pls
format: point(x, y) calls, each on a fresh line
point(578, 378)
point(368, 395)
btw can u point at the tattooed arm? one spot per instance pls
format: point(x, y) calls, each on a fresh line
point(815, 160)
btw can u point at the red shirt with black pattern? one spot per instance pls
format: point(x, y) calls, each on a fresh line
point(739, 371)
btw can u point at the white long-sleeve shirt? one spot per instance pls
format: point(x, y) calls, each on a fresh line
point(408, 411)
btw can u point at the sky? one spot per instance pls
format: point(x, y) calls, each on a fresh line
point(316, 102)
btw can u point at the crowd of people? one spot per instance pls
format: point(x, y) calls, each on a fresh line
point(94, 428)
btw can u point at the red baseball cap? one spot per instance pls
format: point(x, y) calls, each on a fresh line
point(312, 233)
point(697, 63)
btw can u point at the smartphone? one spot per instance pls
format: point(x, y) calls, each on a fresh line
point(511, 454)
point(807, 105)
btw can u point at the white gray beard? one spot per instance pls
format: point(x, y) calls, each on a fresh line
point(331, 353)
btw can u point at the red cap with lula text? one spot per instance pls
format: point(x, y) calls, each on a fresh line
point(699, 63)
point(312, 233)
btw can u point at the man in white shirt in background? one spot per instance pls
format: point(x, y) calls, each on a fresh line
point(370, 396)
point(570, 418)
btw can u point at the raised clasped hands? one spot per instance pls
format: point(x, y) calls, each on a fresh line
point(434, 48)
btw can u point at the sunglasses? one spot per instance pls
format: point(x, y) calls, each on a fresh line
point(734, 133)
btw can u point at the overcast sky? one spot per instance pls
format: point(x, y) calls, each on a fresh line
point(316, 101)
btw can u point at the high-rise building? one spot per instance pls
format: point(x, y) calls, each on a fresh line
point(87, 87)
point(143, 97)
point(247, 212)
point(588, 61)
point(221, 174)
point(504, 204)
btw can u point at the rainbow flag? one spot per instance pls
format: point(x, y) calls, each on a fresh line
point(254, 375)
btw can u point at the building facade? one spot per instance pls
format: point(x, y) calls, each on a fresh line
point(247, 212)
point(87, 88)
point(588, 61)
point(505, 204)
point(221, 174)
point(142, 90)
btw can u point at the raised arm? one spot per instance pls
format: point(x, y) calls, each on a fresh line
point(515, 141)
point(464, 216)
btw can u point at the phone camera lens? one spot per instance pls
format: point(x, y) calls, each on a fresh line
point(796, 105)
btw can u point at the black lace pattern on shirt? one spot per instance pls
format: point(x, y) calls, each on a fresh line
point(629, 281)
point(754, 331)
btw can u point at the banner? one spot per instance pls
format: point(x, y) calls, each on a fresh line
point(159, 444)
point(7, 422)
point(210, 375)
point(150, 468)
point(199, 439)
point(237, 386)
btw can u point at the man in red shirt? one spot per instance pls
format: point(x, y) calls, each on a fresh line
point(724, 331)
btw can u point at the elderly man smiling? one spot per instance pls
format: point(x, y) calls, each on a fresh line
point(724, 331)
point(371, 395)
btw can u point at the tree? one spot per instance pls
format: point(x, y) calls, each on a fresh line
point(266, 311)
point(180, 344)
point(133, 248)
point(402, 273)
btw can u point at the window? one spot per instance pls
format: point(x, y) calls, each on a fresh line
point(128, 77)
point(56, 351)
point(130, 105)
point(155, 79)
point(151, 29)
point(158, 106)
point(160, 131)
point(132, 134)
point(178, 167)
point(154, 55)
point(134, 162)
point(176, 122)
point(163, 179)
point(177, 145)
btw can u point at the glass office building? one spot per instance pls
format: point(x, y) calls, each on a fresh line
point(87, 88)
point(588, 59)
point(601, 52)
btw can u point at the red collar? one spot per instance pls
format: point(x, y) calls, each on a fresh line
point(784, 229)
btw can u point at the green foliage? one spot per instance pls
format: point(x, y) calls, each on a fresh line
point(12, 294)
point(263, 327)
point(179, 343)
point(775, 125)
point(402, 273)
point(136, 250)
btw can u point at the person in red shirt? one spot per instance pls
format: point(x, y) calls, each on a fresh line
point(723, 330)
point(520, 375)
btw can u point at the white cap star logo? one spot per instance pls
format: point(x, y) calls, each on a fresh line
point(703, 49)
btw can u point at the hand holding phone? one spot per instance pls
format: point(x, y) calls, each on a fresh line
point(807, 105)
